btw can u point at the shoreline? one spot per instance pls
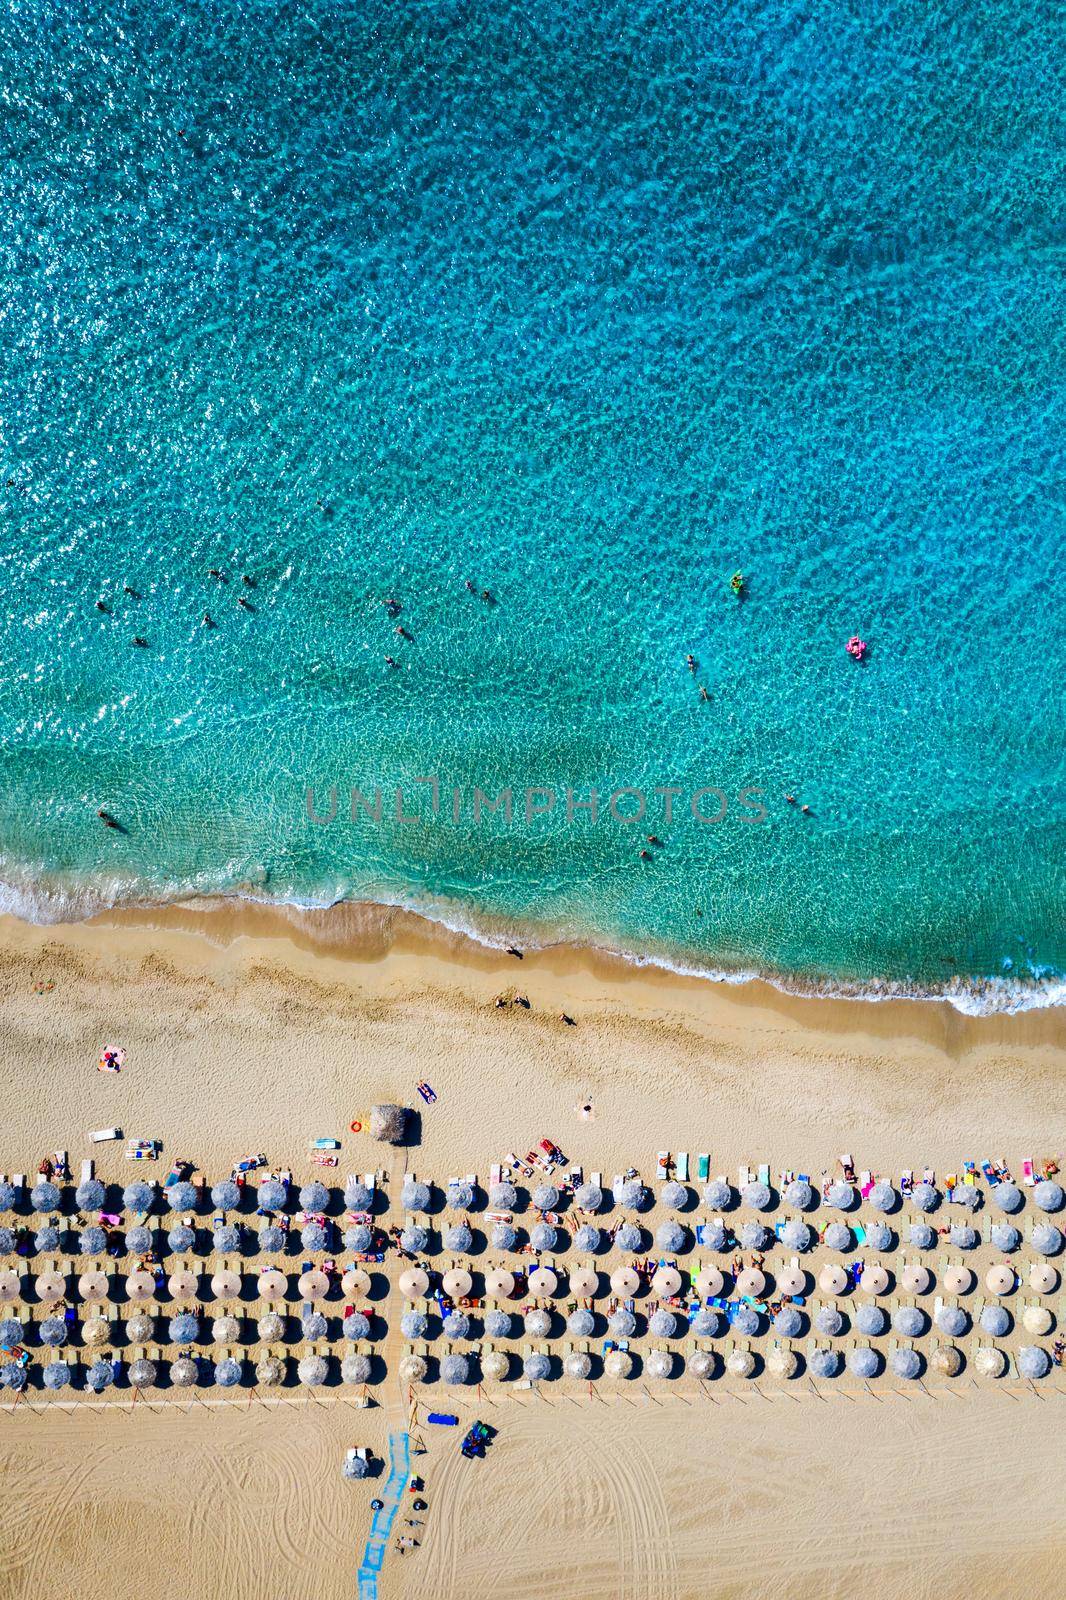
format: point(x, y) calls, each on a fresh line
point(360, 927)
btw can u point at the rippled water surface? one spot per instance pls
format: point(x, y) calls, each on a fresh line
point(589, 306)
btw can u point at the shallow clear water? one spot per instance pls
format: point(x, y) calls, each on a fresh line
point(590, 307)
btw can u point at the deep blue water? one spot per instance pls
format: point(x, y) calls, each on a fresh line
point(590, 306)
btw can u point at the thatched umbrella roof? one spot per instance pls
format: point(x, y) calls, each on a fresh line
point(388, 1123)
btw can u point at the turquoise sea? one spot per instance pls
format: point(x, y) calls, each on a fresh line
point(590, 306)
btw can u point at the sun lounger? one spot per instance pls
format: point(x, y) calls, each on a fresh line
point(681, 1166)
point(764, 1173)
point(662, 1164)
point(744, 1174)
point(1027, 1172)
point(88, 1167)
point(703, 1166)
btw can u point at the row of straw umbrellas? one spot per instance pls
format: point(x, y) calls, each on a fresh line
point(183, 1283)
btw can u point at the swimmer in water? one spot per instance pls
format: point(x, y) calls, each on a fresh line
point(101, 607)
point(703, 692)
point(402, 631)
point(690, 662)
point(241, 601)
point(208, 620)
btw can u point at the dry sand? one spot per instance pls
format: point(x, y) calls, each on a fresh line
point(258, 1030)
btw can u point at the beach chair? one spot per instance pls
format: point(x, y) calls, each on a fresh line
point(703, 1166)
point(1028, 1177)
point(764, 1173)
point(662, 1165)
point(88, 1167)
point(681, 1166)
point(744, 1176)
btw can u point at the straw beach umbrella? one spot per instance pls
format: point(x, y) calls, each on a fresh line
point(925, 1197)
point(910, 1321)
point(271, 1327)
point(674, 1196)
point(716, 1236)
point(543, 1236)
point(1008, 1197)
point(356, 1325)
point(414, 1196)
point(10, 1286)
point(184, 1372)
point(1047, 1239)
point(841, 1195)
point(718, 1195)
point(796, 1235)
point(11, 1331)
point(871, 1320)
point(746, 1322)
point(756, 1195)
point(1033, 1361)
point(782, 1362)
point(958, 1280)
point(663, 1324)
point(588, 1197)
point(503, 1236)
point(356, 1281)
point(357, 1197)
point(660, 1364)
point(581, 1324)
point(312, 1371)
point(829, 1321)
point(414, 1239)
point(622, 1323)
point(90, 1195)
point(56, 1375)
point(412, 1369)
point(740, 1363)
point(578, 1364)
point(1048, 1195)
point(619, 1364)
point(44, 1197)
point(140, 1286)
point(358, 1239)
point(225, 1196)
point(53, 1331)
point(458, 1238)
point(499, 1283)
point(629, 1238)
point(498, 1324)
point(788, 1323)
point(314, 1236)
point(180, 1239)
point(96, 1331)
point(459, 1195)
point(184, 1328)
point(273, 1195)
point(99, 1376)
point(707, 1323)
point(916, 1279)
point(182, 1196)
point(634, 1196)
point(863, 1361)
point(536, 1367)
point(905, 1362)
point(314, 1197)
point(543, 1281)
point(13, 1377)
point(270, 1371)
point(922, 1236)
point(545, 1197)
point(990, 1362)
point(953, 1321)
point(883, 1197)
point(838, 1236)
point(227, 1372)
point(454, 1369)
point(964, 1237)
point(875, 1279)
point(138, 1196)
point(140, 1327)
point(670, 1237)
point(799, 1195)
point(824, 1363)
point(995, 1319)
point(142, 1373)
point(415, 1324)
point(313, 1325)
point(226, 1284)
point(754, 1236)
point(225, 1330)
point(503, 1196)
point(1005, 1236)
point(7, 1195)
point(46, 1238)
point(226, 1239)
point(879, 1236)
point(355, 1368)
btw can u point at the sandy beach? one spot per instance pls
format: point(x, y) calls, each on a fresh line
point(247, 1029)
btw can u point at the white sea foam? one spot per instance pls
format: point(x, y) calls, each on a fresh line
point(52, 902)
